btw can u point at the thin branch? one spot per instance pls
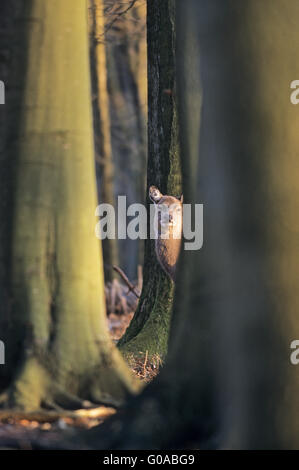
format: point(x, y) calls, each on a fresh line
point(144, 365)
point(120, 14)
point(129, 284)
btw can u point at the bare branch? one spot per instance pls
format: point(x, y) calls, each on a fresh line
point(119, 14)
point(129, 284)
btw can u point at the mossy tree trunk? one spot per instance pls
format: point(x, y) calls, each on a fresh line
point(58, 308)
point(228, 381)
point(148, 331)
point(103, 146)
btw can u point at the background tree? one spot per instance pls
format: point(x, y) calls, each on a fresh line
point(127, 84)
point(102, 125)
point(148, 331)
point(59, 329)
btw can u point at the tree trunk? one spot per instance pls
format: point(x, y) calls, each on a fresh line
point(249, 185)
point(12, 67)
point(127, 80)
point(148, 331)
point(102, 127)
point(58, 312)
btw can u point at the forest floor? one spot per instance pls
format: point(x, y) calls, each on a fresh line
point(25, 427)
point(144, 369)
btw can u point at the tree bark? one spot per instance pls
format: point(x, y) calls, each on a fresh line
point(58, 311)
point(148, 331)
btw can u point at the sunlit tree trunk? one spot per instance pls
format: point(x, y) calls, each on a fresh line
point(58, 310)
point(102, 126)
point(127, 80)
point(148, 331)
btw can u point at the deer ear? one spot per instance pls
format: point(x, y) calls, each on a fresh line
point(181, 199)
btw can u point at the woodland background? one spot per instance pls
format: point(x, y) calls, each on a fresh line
point(106, 98)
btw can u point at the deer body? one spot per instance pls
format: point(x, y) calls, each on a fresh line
point(169, 213)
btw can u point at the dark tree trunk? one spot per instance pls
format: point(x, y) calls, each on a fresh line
point(12, 67)
point(149, 328)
